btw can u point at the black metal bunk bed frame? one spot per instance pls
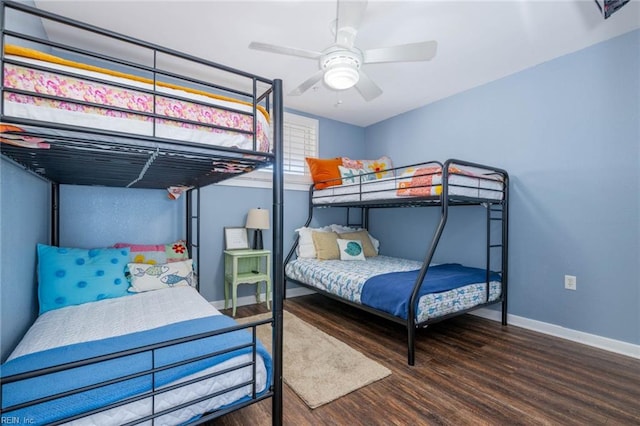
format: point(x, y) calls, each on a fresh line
point(496, 211)
point(75, 158)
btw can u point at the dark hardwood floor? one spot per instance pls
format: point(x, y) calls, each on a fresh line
point(469, 371)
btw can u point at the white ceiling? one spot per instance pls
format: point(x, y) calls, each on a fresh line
point(478, 41)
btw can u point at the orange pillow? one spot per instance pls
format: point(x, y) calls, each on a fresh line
point(10, 128)
point(325, 169)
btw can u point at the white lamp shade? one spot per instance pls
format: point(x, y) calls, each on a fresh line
point(258, 219)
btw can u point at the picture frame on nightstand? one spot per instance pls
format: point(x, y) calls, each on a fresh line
point(236, 238)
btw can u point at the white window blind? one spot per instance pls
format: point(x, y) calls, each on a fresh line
point(300, 140)
point(300, 136)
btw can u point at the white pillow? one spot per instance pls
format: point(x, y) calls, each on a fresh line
point(350, 249)
point(341, 229)
point(305, 247)
point(145, 277)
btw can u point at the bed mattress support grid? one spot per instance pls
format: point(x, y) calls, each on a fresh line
point(443, 201)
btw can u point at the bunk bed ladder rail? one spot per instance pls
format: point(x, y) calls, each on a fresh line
point(505, 245)
point(499, 212)
point(411, 314)
point(496, 213)
point(193, 230)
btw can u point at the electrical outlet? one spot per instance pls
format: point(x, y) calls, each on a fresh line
point(570, 282)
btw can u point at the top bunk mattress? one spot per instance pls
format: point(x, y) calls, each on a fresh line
point(421, 181)
point(50, 89)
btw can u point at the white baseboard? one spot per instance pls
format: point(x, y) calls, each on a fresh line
point(617, 346)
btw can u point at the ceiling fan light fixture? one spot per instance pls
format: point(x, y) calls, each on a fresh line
point(341, 70)
point(341, 77)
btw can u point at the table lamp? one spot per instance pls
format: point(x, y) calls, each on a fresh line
point(257, 219)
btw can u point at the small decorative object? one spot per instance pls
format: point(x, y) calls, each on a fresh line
point(176, 191)
point(235, 238)
point(257, 219)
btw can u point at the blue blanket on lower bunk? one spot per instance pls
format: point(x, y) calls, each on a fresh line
point(391, 292)
point(38, 387)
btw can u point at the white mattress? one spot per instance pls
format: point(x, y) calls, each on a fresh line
point(139, 312)
point(128, 125)
point(387, 189)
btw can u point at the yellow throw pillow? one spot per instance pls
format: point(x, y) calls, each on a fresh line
point(363, 237)
point(326, 245)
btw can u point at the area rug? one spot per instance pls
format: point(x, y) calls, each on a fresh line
point(318, 367)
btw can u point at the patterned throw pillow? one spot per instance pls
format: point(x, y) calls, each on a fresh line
point(73, 276)
point(145, 277)
point(177, 251)
point(350, 249)
point(155, 254)
point(420, 182)
point(341, 229)
point(381, 167)
point(351, 176)
point(363, 237)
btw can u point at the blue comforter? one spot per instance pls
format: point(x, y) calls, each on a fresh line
point(391, 292)
point(28, 390)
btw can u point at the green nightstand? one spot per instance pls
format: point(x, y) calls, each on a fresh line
point(246, 267)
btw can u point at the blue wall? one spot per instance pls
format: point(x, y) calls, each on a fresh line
point(568, 133)
point(100, 217)
point(96, 217)
point(24, 222)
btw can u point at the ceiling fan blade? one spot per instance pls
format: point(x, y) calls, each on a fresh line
point(350, 15)
point(367, 88)
point(308, 83)
point(422, 51)
point(283, 50)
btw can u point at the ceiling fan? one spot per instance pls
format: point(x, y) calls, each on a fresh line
point(340, 65)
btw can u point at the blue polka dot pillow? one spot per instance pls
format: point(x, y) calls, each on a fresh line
point(72, 276)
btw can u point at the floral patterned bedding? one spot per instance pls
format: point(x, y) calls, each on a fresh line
point(124, 109)
point(342, 279)
point(415, 181)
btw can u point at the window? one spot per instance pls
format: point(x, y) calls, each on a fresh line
point(300, 138)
